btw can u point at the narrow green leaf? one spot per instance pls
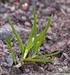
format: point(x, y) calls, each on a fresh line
point(41, 36)
point(50, 54)
point(31, 37)
point(11, 51)
point(20, 44)
point(37, 60)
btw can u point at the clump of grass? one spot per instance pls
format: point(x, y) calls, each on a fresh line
point(33, 44)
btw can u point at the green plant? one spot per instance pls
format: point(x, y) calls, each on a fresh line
point(32, 45)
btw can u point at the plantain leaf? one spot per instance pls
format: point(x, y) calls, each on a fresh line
point(19, 40)
point(40, 37)
point(31, 37)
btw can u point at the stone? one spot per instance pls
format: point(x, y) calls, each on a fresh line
point(27, 24)
point(12, 8)
point(9, 61)
point(2, 9)
point(25, 6)
point(48, 11)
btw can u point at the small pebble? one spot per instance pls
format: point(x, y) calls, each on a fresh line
point(27, 70)
point(65, 68)
point(41, 5)
point(25, 6)
point(12, 8)
point(27, 24)
point(60, 69)
point(24, 18)
point(9, 61)
point(2, 9)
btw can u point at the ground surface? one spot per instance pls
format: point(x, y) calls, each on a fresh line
point(58, 37)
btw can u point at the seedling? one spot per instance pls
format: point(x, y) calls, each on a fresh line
point(32, 45)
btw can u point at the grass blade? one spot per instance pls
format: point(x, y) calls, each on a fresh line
point(20, 44)
point(31, 37)
point(41, 36)
point(37, 60)
point(51, 54)
point(11, 51)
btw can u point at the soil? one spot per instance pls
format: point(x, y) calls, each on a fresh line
point(58, 37)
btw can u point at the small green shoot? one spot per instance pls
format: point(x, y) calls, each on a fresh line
point(32, 45)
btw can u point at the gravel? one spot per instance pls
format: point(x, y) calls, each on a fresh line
point(58, 37)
